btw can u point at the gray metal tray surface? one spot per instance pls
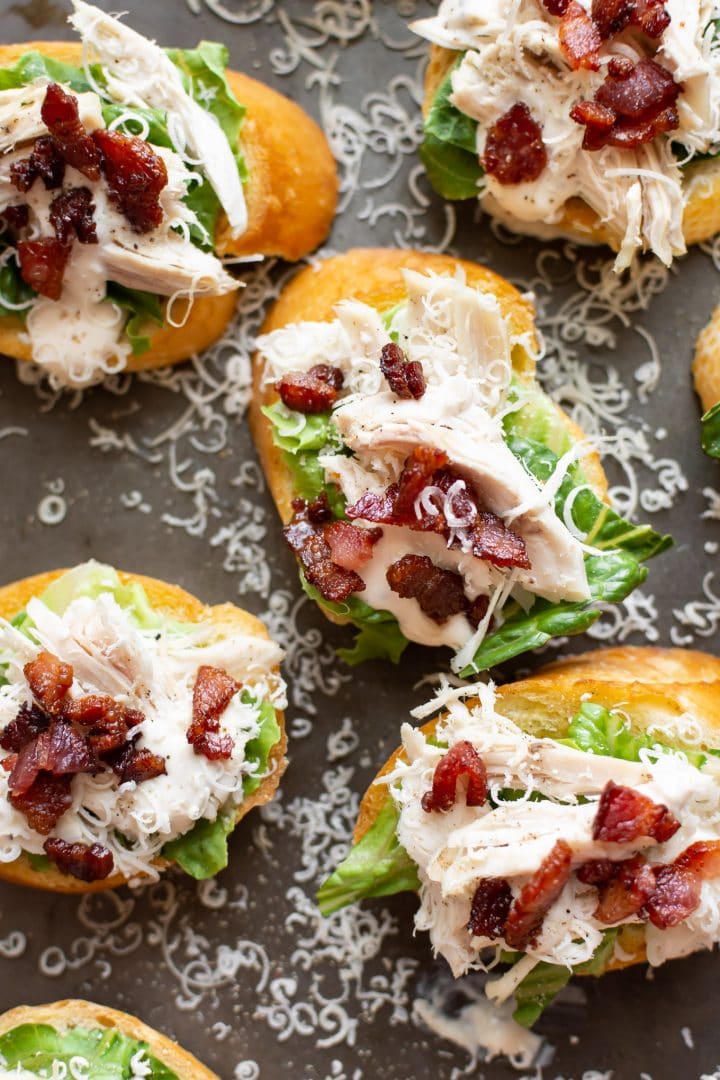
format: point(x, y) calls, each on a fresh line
point(158, 474)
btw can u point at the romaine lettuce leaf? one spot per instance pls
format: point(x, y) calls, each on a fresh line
point(449, 149)
point(376, 866)
point(380, 636)
point(545, 981)
point(142, 308)
point(93, 578)
point(597, 730)
point(711, 431)
point(33, 65)
point(13, 289)
point(36, 1047)
point(257, 751)
point(302, 438)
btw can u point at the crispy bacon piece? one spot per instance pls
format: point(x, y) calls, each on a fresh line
point(91, 862)
point(440, 593)
point(494, 542)
point(702, 857)
point(45, 162)
point(27, 725)
point(537, 896)
point(627, 891)
point(634, 104)
point(135, 176)
point(405, 377)
point(490, 908)
point(45, 802)
point(624, 814)
point(461, 761)
point(313, 391)
point(60, 750)
point(478, 610)
point(676, 895)
point(71, 215)
point(556, 7)
point(612, 16)
point(138, 765)
point(420, 467)
point(305, 535)
point(16, 217)
point(350, 546)
point(212, 694)
point(49, 680)
point(108, 721)
point(42, 265)
point(61, 116)
point(580, 39)
point(514, 150)
point(596, 871)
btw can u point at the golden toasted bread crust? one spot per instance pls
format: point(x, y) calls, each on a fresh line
point(650, 685)
point(374, 276)
point(291, 196)
point(168, 600)
point(701, 217)
point(706, 365)
point(63, 1015)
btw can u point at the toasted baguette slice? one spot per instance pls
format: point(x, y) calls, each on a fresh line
point(650, 685)
point(374, 276)
point(64, 1015)
point(168, 600)
point(706, 365)
point(580, 223)
point(291, 196)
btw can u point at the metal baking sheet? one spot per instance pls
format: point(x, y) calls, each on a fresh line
point(159, 475)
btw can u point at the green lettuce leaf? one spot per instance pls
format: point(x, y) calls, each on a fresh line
point(302, 438)
point(449, 149)
point(13, 290)
point(597, 730)
point(142, 308)
point(257, 751)
point(380, 636)
point(376, 866)
point(36, 1047)
point(33, 65)
point(711, 431)
point(91, 579)
point(545, 981)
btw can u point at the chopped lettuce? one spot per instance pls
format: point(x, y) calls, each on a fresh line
point(302, 438)
point(711, 431)
point(376, 866)
point(598, 730)
point(257, 751)
point(33, 65)
point(449, 149)
point(13, 290)
point(91, 579)
point(142, 309)
point(108, 1053)
point(545, 981)
point(380, 636)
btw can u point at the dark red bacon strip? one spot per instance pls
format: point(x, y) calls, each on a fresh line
point(405, 377)
point(537, 896)
point(45, 163)
point(676, 895)
point(351, 547)
point(135, 177)
point(626, 891)
point(514, 149)
point(49, 680)
point(490, 908)
point(42, 266)
point(16, 217)
point(580, 39)
point(72, 215)
point(440, 593)
point(611, 17)
point(313, 391)
point(305, 535)
point(60, 751)
point(61, 116)
point(634, 104)
point(45, 802)
point(86, 862)
point(461, 762)
point(624, 814)
point(214, 689)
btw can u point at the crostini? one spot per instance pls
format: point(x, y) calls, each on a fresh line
point(706, 372)
point(130, 175)
point(594, 122)
point(430, 490)
point(89, 1040)
point(137, 727)
point(565, 824)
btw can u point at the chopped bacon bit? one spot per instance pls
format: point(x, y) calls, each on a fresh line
point(16, 217)
point(418, 471)
point(626, 893)
point(537, 896)
point(440, 593)
point(612, 16)
point(45, 802)
point(45, 162)
point(71, 214)
point(702, 857)
point(212, 694)
point(107, 720)
point(350, 546)
point(135, 176)
point(60, 750)
point(305, 536)
point(42, 266)
point(556, 7)
point(86, 862)
point(635, 103)
point(477, 610)
point(131, 764)
point(494, 542)
point(49, 680)
point(490, 908)
point(596, 871)
point(27, 725)
point(405, 377)
point(580, 40)
point(61, 116)
point(305, 392)
point(624, 814)
point(514, 150)
point(461, 760)
point(676, 895)
point(333, 376)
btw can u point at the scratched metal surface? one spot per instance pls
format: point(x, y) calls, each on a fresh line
point(244, 974)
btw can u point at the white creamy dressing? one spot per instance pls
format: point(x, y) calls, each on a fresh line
point(79, 338)
point(154, 672)
point(512, 54)
point(455, 849)
point(464, 344)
